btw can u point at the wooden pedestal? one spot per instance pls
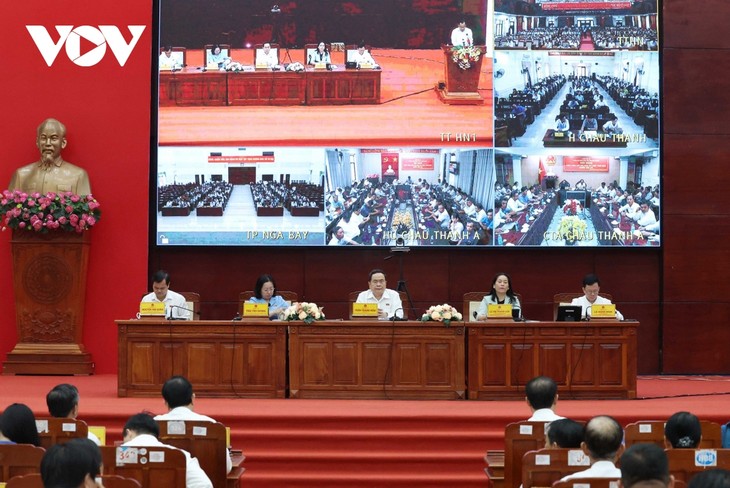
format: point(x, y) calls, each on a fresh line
point(462, 85)
point(49, 280)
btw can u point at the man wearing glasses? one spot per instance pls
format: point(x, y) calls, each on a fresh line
point(591, 287)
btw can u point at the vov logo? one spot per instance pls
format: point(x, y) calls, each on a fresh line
point(71, 37)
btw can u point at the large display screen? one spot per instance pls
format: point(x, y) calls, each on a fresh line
point(380, 123)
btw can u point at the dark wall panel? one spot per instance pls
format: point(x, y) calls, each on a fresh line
point(696, 337)
point(697, 25)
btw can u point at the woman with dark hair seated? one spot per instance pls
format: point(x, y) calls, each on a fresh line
point(17, 426)
point(265, 292)
point(682, 430)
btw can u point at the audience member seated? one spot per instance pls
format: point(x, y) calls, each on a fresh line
point(591, 288)
point(75, 464)
point(63, 402)
point(564, 433)
point(646, 466)
point(711, 478)
point(17, 426)
point(682, 430)
point(141, 430)
point(178, 395)
point(602, 444)
point(541, 395)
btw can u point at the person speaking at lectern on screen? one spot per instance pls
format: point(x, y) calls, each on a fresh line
point(462, 35)
point(265, 292)
point(175, 304)
point(501, 294)
point(51, 173)
point(389, 302)
point(591, 287)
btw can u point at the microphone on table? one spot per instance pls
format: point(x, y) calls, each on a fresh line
point(237, 318)
point(395, 317)
point(192, 312)
point(587, 318)
point(474, 314)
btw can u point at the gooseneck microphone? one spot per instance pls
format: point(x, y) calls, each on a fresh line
point(171, 317)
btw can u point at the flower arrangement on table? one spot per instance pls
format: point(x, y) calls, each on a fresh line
point(441, 313)
point(305, 311)
point(296, 67)
point(50, 212)
point(464, 56)
point(572, 228)
point(572, 207)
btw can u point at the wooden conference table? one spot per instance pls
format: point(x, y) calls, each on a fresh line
point(195, 87)
point(377, 359)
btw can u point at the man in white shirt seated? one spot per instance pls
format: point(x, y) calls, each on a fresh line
point(645, 216)
point(389, 302)
point(63, 403)
point(179, 396)
point(514, 204)
point(630, 208)
point(141, 430)
point(541, 394)
point(267, 57)
point(363, 57)
point(603, 445)
point(462, 35)
point(591, 288)
point(175, 304)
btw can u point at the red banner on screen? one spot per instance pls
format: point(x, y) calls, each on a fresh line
point(417, 164)
point(389, 164)
point(586, 5)
point(585, 164)
point(240, 159)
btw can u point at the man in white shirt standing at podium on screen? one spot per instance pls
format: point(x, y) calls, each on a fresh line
point(462, 35)
point(591, 287)
point(389, 302)
point(175, 304)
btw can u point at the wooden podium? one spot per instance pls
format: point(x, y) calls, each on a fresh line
point(462, 85)
point(49, 280)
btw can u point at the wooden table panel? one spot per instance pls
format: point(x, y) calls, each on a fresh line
point(594, 359)
point(206, 352)
point(370, 359)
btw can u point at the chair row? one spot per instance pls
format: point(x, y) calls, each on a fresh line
point(522, 437)
point(207, 441)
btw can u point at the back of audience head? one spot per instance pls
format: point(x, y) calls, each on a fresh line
point(565, 433)
point(682, 430)
point(71, 465)
point(62, 400)
point(17, 424)
point(645, 465)
point(711, 478)
point(542, 392)
point(138, 424)
point(177, 392)
point(603, 438)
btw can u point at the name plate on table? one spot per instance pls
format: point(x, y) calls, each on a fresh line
point(364, 309)
point(558, 134)
point(262, 66)
point(603, 311)
point(152, 309)
point(212, 66)
point(366, 66)
point(499, 311)
point(255, 309)
point(320, 65)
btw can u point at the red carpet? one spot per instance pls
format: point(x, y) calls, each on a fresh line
point(410, 113)
point(367, 443)
point(586, 43)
